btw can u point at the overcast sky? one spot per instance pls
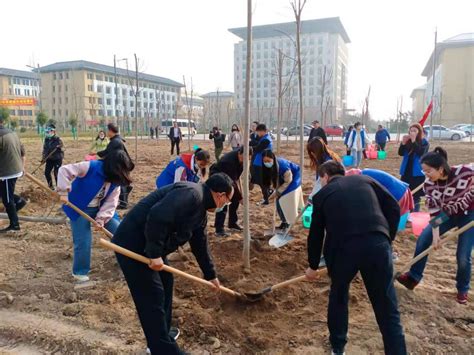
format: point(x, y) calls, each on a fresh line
point(391, 40)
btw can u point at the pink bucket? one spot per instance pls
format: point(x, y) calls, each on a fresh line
point(419, 220)
point(90, 157)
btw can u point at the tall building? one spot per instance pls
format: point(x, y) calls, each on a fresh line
point(454, 80)
point(418, 102)
point(219, 109)
point(193, 105)
point(324, 69)
point(19, 92)
point(93, 92)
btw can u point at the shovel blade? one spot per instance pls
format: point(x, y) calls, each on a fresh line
point(279, 240)
point(269, 233)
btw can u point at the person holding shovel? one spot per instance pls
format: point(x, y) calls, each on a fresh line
point(161, 222)
point(264, 142)
point(450, 200)
point(232, 165)
point(53, 155)
point(360, 219)
point(94, 187)
point(187, 167)
point(286, 179)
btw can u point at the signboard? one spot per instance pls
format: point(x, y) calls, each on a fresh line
point(17, 102)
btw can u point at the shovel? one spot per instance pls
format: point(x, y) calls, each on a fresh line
point(449, 235)
point(118, 249)
point(280, 239)
point(257, 296)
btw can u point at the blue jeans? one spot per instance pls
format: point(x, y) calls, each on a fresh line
point(82, 240)
point(357, 156)
point(463, 253)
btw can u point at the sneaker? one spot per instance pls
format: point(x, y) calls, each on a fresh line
point(222, 234)
point(236, 227)
point(81, 278)
point(461, 297)
point(407, 281)
point(10, 228)
point(174, 333)
point(335, 352)
point(283, 226)
point(263, 203)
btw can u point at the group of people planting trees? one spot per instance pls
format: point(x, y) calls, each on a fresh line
point(355, 216)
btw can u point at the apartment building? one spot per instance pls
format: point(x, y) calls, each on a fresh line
point(454, 81)
point(94, 93)
point(19, 92)
point(325, 61)
point(219, 108)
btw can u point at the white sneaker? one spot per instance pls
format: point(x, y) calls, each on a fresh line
point(81, 278)
point(148, 351)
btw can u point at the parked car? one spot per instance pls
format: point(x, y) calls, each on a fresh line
point(458, 126)
point(335, 130)
point(295, 131)
point(467, 128)
point(441, 132)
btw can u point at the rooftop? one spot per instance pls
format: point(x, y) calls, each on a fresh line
point(18, 73)
point(86, 65)
point(459, 41)
point(219, 93)
point(329, 25)
point(419, 88)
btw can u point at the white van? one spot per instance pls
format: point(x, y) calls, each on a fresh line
point(182, 123)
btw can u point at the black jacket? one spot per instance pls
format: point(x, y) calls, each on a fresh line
point(116, 143)
point(348, 207)
point(318, 132)
point(168, 218)
point(229, 164)
point(171, 134)
point(50, 144)
point(254, 138)
point(218, 138)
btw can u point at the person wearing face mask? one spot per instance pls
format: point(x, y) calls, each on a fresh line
point(357, 143)
point(100, 143)
point(161, 222)
point(258, 178)
point(286, 179)
point(235, 138)
point(450, 200)
point(412, 148)
point(53, 155)
point(231, 164)
point(357, 239)
point(187, 167)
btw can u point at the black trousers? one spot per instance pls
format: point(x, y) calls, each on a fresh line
point(175, 142)
point(152, 293)
point(233, 218)
point(372, 256)
point(7, 190)
point(381, 146)
point(52, 166)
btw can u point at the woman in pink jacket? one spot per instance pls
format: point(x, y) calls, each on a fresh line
point(94, 187)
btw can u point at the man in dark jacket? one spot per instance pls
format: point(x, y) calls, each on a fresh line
point(11, 168)
point(53, 155)
point(317, 131)
point(160, 223)
point(231, 164)
point(116, 142)
point(381, 137)
point(219, 139)
point(175, 137)
point(254, 137)
point(360, 218)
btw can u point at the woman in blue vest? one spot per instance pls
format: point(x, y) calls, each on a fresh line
point(264, 143)
point(94, 187)
point(285, 177)
point(412, 148)
point(187, 167)
point(357, 143)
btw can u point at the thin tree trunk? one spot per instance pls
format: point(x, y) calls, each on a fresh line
point(136, 109)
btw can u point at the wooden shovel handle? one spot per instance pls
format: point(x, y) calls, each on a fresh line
point(451, 234)
point(418, 188)
point(288, 282)
point(109, 245)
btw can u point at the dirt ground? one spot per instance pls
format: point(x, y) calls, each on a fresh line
point(41, 312)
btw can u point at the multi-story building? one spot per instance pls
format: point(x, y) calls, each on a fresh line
point(324, 68)
point(454, 80)
point(219, 108)
point(195, 103)
point(92, 93)
point(418, 101)
point(19, 92)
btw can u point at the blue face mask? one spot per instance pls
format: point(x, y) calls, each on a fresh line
point(268, 165)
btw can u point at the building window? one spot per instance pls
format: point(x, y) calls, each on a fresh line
point(67, 100)
point(54, 76)
point(54, 112)
point(60, 75)
point(131, 103)
point(109, 113)
point(65, 88)
point(109, 102)
point(108, 90)
point(99, 77)
point(90, 76)
point(124, 92)
point(54, 100)
point(54, 88)
point(67, 113)
point(67, 75)
point(100, 101)
point(89, 87)
point(100, 88)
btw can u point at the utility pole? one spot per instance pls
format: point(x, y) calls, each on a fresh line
point(116, 90)
point(136, 108)
point(246, 129)
point(433, 84)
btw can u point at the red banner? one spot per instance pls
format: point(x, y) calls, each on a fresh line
point(425, 116)
point(17, 102)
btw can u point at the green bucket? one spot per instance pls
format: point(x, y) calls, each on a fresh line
point(381, 155)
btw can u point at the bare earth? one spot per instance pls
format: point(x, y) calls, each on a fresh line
point(40, 312)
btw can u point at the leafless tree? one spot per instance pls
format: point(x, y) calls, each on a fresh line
point(326, 78)
point(189, 104)
point(298, 6)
